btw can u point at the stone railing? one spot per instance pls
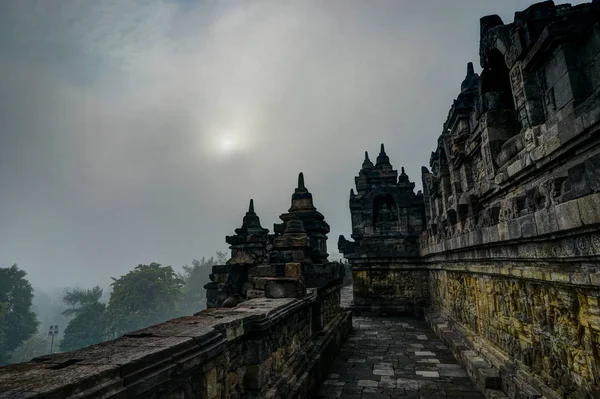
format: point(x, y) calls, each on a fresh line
point(263, 348)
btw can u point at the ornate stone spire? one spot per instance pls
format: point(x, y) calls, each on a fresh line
point(382, 158)
point(367, 164)
point(313, 222)
point(403, 178)
point(251, 223)
point(471, 81)
point(301, 199)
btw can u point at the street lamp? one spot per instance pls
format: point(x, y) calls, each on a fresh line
point(52, 332)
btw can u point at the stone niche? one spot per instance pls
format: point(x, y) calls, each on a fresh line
point(387, 217)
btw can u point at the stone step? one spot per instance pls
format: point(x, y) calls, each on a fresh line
point(481, 372)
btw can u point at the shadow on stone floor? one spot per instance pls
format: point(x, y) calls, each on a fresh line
point(389, 357)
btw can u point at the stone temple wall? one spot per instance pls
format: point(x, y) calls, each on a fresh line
point(512, 241)
point(267, 348)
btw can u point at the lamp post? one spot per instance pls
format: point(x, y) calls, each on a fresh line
point(52, 332)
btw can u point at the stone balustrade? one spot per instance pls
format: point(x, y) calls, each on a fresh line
point(263, 348)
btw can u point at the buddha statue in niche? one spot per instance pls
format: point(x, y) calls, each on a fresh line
point(385, 216)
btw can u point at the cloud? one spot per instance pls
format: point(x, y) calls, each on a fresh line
point(111, 113)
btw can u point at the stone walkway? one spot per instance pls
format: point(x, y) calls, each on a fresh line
point(387, 357)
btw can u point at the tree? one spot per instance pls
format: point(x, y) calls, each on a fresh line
point(48, 307)
point(147, 295)
point(37, 345)
point(17, 321)
point(195, 278)
point(88, 324)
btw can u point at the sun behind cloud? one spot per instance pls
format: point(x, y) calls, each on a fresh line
point(228, 144)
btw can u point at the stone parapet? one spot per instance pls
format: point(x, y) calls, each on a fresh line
point(263, 348)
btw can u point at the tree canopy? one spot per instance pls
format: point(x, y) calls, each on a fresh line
point(88, 324)
point(195, 278)
point(147, 295)
point(37, 345)
point(17, 321)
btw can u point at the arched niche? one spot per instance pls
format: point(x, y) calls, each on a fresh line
point(495, 85)
point(385, 210)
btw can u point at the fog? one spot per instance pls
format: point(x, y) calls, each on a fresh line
point(137, 131)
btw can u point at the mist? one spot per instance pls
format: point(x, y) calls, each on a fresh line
point(136, 131)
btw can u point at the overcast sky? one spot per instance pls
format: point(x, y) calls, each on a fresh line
point(137, 131)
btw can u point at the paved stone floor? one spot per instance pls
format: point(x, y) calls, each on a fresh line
point(387, 357)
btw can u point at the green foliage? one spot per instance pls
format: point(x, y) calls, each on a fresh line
point(195, 278)
point(17, 321)
point(37, 345)
point(87, 326)
point(147, 295)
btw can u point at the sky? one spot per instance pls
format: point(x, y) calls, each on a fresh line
point(136, 131)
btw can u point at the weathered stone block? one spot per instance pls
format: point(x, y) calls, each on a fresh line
point(589, 209)
point(503, 233)
point(263, 271)
point(580, 278)
point(285, 288)
point(293, 270)
point(567, 215)
point(527, 226)
point(546, 222)
point(514, 229)
point(515, 167)
point(259, 283)
point(251, 294)
point(560, 277)
point(212, 391)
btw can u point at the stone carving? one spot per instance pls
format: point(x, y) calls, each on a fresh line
point(541, 326)
point(387, 217)
point(508, 210)
point(550, 191)
point(279, 265)
point(533, 184)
